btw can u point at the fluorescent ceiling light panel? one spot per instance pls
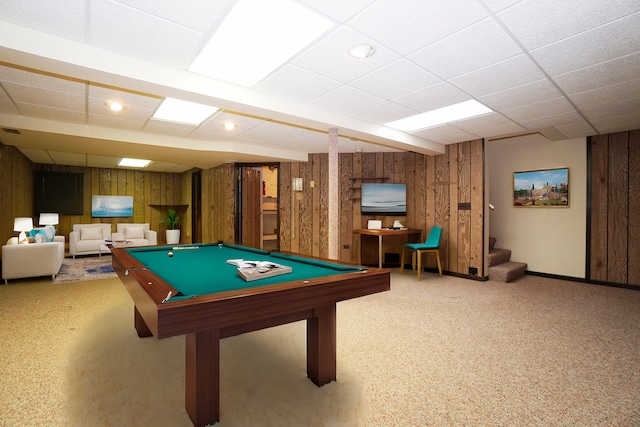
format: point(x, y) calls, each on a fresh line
point(133, 163)
point(256, 38)
point(452, 113)
point(177, 110)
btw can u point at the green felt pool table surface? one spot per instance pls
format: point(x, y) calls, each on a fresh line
point(201, 269)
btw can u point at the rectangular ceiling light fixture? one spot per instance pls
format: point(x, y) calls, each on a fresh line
point(133, 163)
point(177, 110)
point(452, 113)
point(257, 37)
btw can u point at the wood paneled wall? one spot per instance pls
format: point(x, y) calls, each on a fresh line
point(446, 190)
point(16, 189)
point(153, 193)
point(613, 219)
point(218, 214)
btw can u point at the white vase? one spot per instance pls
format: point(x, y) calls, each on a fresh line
point(173, 237)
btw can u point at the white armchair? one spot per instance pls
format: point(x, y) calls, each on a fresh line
point(137, 233)
point(87, 239)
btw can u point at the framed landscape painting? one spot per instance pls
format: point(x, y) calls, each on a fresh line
point(111, 206)
point(541, 188)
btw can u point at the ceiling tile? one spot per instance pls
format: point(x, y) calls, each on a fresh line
point(118, 28)
point(432, 97)
point(576, 129)
point(623, 91)
point(330, 57)
point(114, 122)
point(339, 10)
point(619, 38)
point(394, 80)
point(608, 73)
point(63, 19)
point(408, 26)
point(504, 75)
point(50, 113)
point(22, 94)
point(523, 95)
point(538, 23)
point(43, 81)
point(478, 46)
point(384, 112)
point(619, 123)
point(446, 134)
point(541, 109)
point(296, 83)
point(346, 100)
point(199, 15)
point(73, 159)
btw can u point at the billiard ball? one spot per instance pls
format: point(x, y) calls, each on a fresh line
point(170, 254)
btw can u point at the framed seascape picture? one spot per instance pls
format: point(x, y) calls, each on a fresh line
point(111, 206)
point(541, 188)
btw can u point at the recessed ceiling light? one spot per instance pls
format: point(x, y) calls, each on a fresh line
point(257, 37)
point(362, 51)
point(229, 125)
point(452, 113)
point(177, 110)
point(133, 163)
point(115, 105)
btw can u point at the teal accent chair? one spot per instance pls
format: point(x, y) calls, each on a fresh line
point(430, 246)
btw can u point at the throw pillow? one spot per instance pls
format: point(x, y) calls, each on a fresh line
point(91, 233)
point(42, 234)
point(133, 232)
point(12, 241)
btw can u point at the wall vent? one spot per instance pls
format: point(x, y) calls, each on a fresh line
point(9, 130)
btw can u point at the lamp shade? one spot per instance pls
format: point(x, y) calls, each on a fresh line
point(23, 224)
point(49, 219)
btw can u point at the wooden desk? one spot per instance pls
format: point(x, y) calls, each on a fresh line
point(383, 233)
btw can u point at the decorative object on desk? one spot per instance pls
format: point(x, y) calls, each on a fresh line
point(173, 232)
point(255, 270)
point(83, 269)
point(23, 224)
point(374, 224)
point(541, 188)
point(397, 225)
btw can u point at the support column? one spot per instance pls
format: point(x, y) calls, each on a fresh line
point(334, 194)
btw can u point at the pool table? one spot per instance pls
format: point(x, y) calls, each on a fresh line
point(192, 290)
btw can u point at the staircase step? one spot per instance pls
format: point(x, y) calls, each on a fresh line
point(507, 271)
point(498, 256)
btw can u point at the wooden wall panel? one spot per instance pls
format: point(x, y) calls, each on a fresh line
point(218, 204)
point(599, 147)
point(613, 219)
point(16, 189)
point(634, 208)
point(618, 208)
point(347, 203)
point(452, 186)
point(476, 255)
point(285, 205)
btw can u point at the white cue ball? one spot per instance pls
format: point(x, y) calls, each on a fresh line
point(170, 254)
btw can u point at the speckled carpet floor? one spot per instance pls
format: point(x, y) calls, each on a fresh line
point(444, 351)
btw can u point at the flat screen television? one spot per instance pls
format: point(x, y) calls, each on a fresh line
point(60, 192)
point(383, 198)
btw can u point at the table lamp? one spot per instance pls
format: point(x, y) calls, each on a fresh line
point(22, 224)
point(49, 219)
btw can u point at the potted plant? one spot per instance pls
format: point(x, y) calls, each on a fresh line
point(173, 232)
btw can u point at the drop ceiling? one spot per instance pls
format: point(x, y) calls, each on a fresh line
point(554, 68)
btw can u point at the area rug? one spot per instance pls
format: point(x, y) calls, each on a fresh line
point(86, 268)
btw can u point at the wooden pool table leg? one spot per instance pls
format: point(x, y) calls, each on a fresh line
point(321, 345)
point(140, 325)
point(202, 377)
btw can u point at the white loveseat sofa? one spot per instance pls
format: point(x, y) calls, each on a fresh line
point(89, 239)
point(135, 234)
point(32, 260)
